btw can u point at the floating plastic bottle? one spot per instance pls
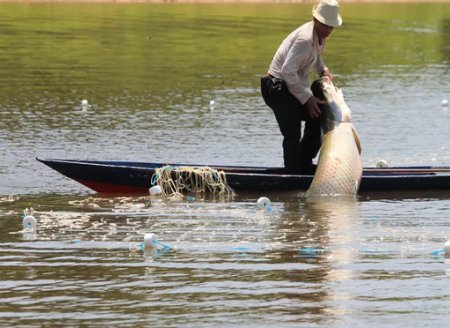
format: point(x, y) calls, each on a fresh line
point(150, 244)
point(443, 251)
point(149, 241)
point(382, 163)
point(264, 204)
point(155, 190)
point(29, 223)
point(447, 248)
point(85, 105)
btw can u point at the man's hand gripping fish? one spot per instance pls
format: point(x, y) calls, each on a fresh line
point(339, 169)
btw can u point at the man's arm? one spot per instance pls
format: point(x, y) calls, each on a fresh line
point(289, 72)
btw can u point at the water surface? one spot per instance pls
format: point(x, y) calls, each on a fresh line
point(149, 73)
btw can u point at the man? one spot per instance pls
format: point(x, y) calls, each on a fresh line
point(286, 90)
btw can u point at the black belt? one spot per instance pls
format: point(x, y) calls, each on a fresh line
point(277, 84)
point(273, 78)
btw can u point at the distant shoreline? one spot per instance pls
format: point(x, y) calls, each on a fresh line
point(218, 1)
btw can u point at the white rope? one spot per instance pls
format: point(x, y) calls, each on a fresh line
point(174, 180)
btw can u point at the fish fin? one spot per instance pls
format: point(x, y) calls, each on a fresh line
point(357, 140)
point(340, 94)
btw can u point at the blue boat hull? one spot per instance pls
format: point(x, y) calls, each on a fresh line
point(135, 177)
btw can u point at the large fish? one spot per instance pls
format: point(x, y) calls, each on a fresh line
point(339, 169)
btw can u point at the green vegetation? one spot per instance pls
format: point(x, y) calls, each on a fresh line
point(158, 48)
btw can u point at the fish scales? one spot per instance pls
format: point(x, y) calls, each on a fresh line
point(340, 166)
point(339, 169)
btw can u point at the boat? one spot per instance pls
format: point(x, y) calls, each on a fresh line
point(125, 177)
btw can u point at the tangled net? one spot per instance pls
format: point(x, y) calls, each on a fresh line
point(174, 180)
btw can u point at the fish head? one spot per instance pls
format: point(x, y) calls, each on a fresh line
point(334, 110)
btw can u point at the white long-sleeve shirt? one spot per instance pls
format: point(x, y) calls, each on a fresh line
point(299, 52)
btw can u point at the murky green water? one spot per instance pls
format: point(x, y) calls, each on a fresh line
point(149, 73)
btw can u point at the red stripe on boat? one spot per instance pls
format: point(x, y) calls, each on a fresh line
point(112, 188)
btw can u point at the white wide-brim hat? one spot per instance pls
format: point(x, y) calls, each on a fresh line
point(327, 12)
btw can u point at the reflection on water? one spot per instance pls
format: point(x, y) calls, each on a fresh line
point(150, 73)
point(327, 262)
point(321, 262)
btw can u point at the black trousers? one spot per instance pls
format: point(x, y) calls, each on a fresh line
point(298, 152)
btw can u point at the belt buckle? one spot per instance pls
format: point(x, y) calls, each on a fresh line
point(277, 84)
